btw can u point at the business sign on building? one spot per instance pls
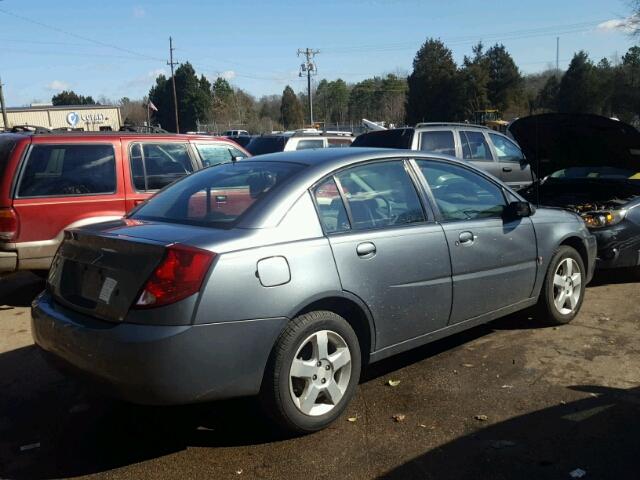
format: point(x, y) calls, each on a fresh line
point(74, 118)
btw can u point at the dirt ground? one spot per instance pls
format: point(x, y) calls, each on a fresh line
point(508, 400)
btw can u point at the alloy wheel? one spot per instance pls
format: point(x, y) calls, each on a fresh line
point(567, 282)
point(320, 373)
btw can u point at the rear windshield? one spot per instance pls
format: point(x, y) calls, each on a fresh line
point(6, 147)
point(262, 145)
point(216, 196)
point(397, 138)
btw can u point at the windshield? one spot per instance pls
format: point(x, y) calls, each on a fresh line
point(216, 196)
point(262, 145)
point(596, 173)
point(398, 138)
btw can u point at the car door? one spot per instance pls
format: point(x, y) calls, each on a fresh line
point(388, 250)
point(493, 259)
point(514, 169)
point(475, 148)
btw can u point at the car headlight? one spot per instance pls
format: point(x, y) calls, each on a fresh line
point(604, 218)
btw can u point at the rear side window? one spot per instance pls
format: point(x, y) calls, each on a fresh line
point(396, 138)
point(339, 142)
point(474, 146)
point(156, 165)
point(55, 170)
point(331, 209)
point(307, 144)
point(212, 154)
point(216, 196)
point(380, 195)
point(6, 147)
point(506, 150)
point(439, 141)
point(262, 145)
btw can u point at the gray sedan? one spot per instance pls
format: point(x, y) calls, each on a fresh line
point(283, 276)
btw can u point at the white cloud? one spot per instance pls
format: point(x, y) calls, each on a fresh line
point(57, 86)
point(626, 25)
point(227, 74)
point(139, 12)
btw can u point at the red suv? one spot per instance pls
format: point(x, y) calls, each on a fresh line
point(51, 182)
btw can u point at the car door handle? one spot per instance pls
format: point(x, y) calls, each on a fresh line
point(366, 250)
point(506, 169)
point(467, 238)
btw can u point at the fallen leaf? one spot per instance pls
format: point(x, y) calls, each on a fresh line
point(422, 425)
point(352, 419)
point(393, 383)
point(468, 365)
point(506, 386)
point(481, 418)
point(399, 417)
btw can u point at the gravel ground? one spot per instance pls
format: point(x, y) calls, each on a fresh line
point(508, 400)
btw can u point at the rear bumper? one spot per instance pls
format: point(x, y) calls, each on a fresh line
point(8, 262)
point(157, 365)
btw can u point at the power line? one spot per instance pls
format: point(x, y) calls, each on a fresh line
point(79, 37)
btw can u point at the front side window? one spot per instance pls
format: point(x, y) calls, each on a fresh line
point(380, 195)
point(156, 165)
point(462, 194)
point(333, 215)
point(506, 150)
point(474, 146)
point(54, 170)
point(307, 144)
point(217, 196)
point(440, 142)
point(212, 154)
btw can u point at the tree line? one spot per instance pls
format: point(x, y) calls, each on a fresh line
point(437, 89)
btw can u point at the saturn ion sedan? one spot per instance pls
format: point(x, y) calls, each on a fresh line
point(283, 276)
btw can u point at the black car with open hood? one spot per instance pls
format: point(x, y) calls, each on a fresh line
point(591, 165)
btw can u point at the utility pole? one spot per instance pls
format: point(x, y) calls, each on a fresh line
point(4, 108)
point(308, 68)
point(171, 63)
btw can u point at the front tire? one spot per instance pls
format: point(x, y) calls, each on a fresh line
point(312, 373)
point(563, 289)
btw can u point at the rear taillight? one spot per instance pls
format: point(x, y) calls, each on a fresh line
point(8, 224)
point(179, 275)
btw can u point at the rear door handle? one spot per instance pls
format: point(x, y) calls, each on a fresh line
point(467, 238)
point(366, 250)
point(506, 169)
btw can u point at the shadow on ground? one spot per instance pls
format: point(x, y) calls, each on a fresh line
point(19, 289)
point(79, 432)
point(598, 435)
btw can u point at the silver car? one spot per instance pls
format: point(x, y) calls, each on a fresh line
point(283, 276)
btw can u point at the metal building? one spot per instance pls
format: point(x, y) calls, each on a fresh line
point(91, 118)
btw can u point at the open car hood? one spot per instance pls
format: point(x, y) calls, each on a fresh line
point(554, 141)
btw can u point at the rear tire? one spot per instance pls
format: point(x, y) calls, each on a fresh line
point(563, 288)
point(312, 373)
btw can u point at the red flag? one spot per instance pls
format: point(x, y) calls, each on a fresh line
point(152, 106)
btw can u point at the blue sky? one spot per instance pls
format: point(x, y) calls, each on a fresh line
point(117, 48)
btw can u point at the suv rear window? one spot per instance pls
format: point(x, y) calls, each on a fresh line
point(216, 196)
point(262, 145)
point(396, 138)
point(55, 170)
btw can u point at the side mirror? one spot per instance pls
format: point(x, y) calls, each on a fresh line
point(518, 210)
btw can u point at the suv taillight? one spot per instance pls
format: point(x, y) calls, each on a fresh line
point(8, 224)
point(179, 275)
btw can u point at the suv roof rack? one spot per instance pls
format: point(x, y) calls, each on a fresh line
point(26, 128)
point(450, 124)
